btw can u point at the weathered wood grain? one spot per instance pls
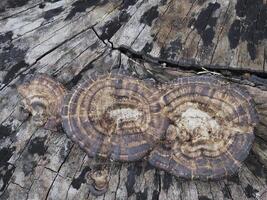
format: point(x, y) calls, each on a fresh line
point(215, 34)
point(49, 162)
point(156, 40)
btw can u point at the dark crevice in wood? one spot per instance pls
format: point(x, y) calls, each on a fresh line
point(65, 159)
point(119, 179)
point(104, 42)
point(18, 185)
point(159, 186)
point(50, 169)
point(146, 58)
point(264, 58)
point(227, 190)
point(46, 197)
point(140, 32)
point(59, 45)
point(140, 56)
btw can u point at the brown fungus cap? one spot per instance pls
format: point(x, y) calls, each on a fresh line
point(114, 116)
point(42, 96)
point(210, 131)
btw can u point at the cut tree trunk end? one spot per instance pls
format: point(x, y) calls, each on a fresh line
point(155, 40)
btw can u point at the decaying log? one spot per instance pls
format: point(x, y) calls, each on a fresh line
point(155, 40)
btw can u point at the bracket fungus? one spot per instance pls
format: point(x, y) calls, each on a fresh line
point(114, 116)
point(42, 97)
point(196, 127)
point(210, 131)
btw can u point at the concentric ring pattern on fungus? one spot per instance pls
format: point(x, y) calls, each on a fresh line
point(42, 96)
point(211, 128)
point(114, 116)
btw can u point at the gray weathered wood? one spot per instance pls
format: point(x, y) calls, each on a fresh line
point(70, 39)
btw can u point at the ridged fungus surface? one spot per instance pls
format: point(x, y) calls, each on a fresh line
point(42, 97)
point(114, 116)
point(210, 131)
point(197, 127)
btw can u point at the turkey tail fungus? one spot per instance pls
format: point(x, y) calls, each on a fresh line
point(114, 116)
point(211, 128)
point(42, 97)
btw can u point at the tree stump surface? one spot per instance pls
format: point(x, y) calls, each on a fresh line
point(152, 39)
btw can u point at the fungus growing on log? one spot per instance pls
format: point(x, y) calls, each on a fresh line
point(100, 182)
point(210, 131)
point(42, 97)
point(114, 116)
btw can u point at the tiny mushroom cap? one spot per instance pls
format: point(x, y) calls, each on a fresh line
point(100, 182)
point(100, 179)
